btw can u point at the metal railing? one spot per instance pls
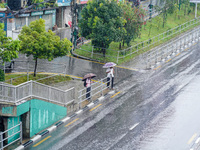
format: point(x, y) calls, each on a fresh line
point(14, 94)
point(176, 46)
point(4, 136)
point(139, 47)
point(97, 89)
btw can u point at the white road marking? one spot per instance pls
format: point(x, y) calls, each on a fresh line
point(161, 103)
point(64, 120)
point(198, 140)
point(79, 112)
point(135, 125)
point(89, 105)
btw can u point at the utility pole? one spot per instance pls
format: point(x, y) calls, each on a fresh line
point(74, 27)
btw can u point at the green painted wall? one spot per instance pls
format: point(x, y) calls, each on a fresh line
point(23, 108)
point(12, 121)
point(44, 114)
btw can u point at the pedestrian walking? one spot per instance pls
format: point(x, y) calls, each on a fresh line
point(110, 77)
point(87, 83)
point(88, 86)
point(110, 73)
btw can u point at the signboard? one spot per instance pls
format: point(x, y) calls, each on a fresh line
point(24, 15)
point(50, 12)
point(37, 13)
point(2, 14)
point(63, 2)
point(194, 1)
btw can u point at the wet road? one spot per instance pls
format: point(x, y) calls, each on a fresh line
point(156, 110)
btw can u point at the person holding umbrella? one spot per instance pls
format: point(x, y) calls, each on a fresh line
point(87, 83)
point(110, 73)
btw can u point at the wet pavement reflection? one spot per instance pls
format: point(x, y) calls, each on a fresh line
point(158, 109)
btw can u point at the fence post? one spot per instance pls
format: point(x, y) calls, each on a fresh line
point(31, 88)
point(101, 87)
point(15, 98)
point(80, 99)
point(1, 140)
point(20, 132)
point(49, 93)
point(27, 76)
point(92, 52)
point(117, 56)
point(11, 81)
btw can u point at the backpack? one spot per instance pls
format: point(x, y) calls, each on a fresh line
point(84, 84)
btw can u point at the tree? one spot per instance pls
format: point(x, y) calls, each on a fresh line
point(40, 44)
point(134, 19)
point(102, 22)
point(168, 7)
point(8, 48)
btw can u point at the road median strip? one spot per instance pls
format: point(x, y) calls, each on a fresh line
point(42, 141)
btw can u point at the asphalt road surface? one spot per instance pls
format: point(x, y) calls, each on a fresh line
point(155, 110)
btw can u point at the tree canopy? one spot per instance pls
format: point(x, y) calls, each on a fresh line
point(41, 44)
point(102, 22)
point(134, 19)
point(8, 48)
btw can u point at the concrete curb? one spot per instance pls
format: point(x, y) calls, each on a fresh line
point(55, 126)
point(85, 58)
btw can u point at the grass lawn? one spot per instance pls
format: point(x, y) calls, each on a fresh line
point(156, 25)
point(21, 78)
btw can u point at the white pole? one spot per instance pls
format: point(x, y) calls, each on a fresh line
point(196, 11)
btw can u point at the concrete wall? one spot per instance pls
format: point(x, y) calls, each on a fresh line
point(64, 33)
point(44, 114)
point(11, 122)
point(35, 115)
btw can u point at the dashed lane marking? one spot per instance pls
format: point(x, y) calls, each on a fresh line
point(168, 60)
point(198, 140)
point(71, 122)
point(135, 125)
point(95, 107)
point(178, 54)
point(115, 95)
point(192, 138)
point(156, 68)
point(42, 141)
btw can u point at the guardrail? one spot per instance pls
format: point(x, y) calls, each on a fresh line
point(162, 53)
point(5, 135)
point(139, 47)
point(97, 90)
point(14, 94)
